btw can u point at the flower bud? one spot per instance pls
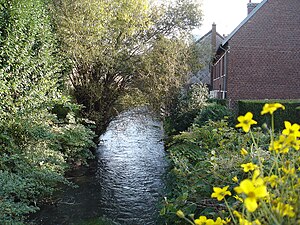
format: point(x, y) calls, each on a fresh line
point(180, 214)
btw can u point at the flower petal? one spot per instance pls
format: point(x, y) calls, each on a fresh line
point(251, 204)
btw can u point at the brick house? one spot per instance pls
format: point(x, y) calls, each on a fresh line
point(207, 44)
point(260, 59)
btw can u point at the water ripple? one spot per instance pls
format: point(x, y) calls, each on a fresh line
point(132, 160)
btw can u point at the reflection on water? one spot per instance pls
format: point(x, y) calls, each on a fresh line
point(132, 162)
point(126, 183)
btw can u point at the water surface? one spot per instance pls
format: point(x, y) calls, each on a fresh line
point(124, 184)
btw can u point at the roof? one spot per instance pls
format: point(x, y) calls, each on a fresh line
point(243, 22)
point(207, 34)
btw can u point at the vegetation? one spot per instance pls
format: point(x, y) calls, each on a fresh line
point(103, 53)
point(163, 72)
point(118, 48)
point(201, 158)
point(291, 113)
point(36, 146)
point(221, 175)
point(213, 112)
point(192, 107)
point(114, 54)
point(185, 108)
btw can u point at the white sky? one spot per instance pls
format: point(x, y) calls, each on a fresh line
point(227, 14)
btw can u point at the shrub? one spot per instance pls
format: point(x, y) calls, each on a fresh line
point(214, 112)
point(186, 107)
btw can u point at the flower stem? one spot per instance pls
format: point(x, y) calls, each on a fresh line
point(271, 214)
point(230, 211)
point(272, 128)
point(253, 139)
point(188, 220)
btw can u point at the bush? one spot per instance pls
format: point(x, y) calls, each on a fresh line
point(186, 107)
point(214, 112)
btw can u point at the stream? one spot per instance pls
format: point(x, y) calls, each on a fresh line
point(124, 184)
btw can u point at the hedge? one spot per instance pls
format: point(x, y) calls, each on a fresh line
point(291, 112)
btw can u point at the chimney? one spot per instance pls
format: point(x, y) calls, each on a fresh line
point(251, 6)
point(213, 38)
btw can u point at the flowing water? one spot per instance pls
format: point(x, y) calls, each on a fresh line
point(125, 184)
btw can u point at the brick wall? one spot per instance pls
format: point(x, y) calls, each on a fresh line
point(219, 71)
point(264, 58)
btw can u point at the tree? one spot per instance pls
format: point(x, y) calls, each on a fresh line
point(107, 40)
point(163, 72)
point(34, 146)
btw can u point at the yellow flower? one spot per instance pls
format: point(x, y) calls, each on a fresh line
point(243, 221)
point(246, 121)
point(238, 198)
point(256, 222)
point(271, 108)
point(248, 166)
point(280, 145)
point(252, 192)
point(285, 210)
point(219, 221)
point(210, 222)
point(201, 220)
point(290, 171)
point(289, 211)
point(291, 129)
point(272, 180)
point(256, 180)
point(227, 220)
point(293, 142)
point(237, 214)
point(180, 214)
point(244, 152)
point(220, 193)
point(235, 179)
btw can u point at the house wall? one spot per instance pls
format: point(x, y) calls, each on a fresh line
point(219, 76)
point(264, 54)
point(205, 45)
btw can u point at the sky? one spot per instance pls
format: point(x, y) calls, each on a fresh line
point(226, 14)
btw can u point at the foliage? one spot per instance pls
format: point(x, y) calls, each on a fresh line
point(266, 182)
point(291, 113)
point(133, 98)
point(185, 108)
point(106, 41)
point(213, 112)
point(164, 70)
point(98, 38)
point(201, 158)
point(34, 145)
